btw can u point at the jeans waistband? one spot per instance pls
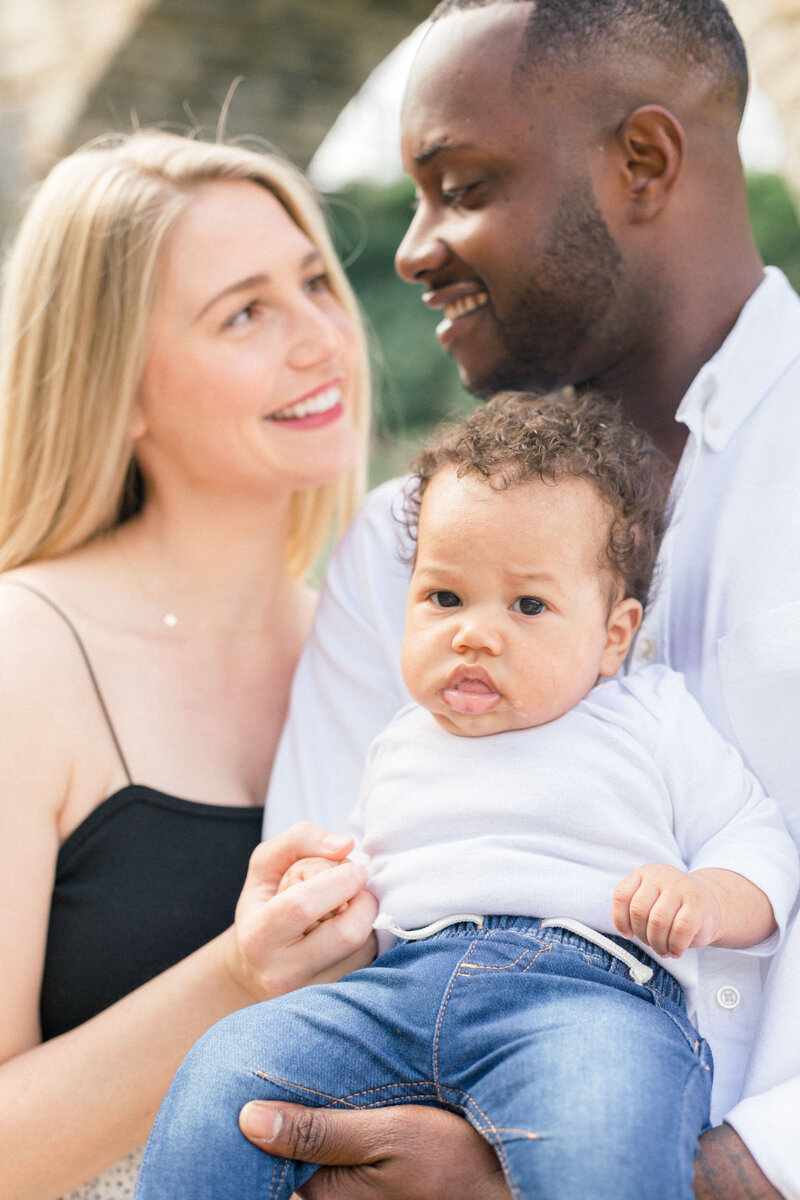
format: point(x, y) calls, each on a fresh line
point(472, 926)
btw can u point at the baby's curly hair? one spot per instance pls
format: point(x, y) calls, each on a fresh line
point(519, 437)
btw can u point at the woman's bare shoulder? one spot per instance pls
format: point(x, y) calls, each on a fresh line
point(42, 670)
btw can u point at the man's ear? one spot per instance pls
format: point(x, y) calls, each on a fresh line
point(653, 147)
point(625, 619)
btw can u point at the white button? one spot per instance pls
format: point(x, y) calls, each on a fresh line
point(714, 420)
point(728, 997)
point(645, 648)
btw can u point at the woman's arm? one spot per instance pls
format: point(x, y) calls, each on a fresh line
point(96, 1089)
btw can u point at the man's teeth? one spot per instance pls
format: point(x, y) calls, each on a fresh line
point(324, 400)
point(464, 305)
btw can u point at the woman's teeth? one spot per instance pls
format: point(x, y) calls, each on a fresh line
point(324, 400)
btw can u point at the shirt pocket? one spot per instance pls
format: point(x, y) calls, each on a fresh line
point(759, 665)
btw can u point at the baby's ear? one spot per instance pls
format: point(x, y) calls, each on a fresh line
point(625, 619)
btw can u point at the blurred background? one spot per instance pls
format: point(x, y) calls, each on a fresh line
point(322, 80)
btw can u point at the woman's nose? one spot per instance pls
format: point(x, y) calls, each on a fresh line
point(421, 250)
point(318, 335)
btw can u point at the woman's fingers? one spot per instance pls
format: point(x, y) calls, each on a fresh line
point(272, 859)
point(282, 940)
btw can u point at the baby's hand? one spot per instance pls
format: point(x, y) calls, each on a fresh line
point(307, 868)
point(668, 909)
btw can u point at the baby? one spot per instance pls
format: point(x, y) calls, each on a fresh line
point(549, 842)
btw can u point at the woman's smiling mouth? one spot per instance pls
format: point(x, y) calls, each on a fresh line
point(324, 402)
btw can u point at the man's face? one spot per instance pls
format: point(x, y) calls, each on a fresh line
point(507, 240)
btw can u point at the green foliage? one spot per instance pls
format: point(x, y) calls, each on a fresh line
point(775, 223)
point(415, 383)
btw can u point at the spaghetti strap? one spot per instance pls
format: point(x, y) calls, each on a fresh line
point(42, 596)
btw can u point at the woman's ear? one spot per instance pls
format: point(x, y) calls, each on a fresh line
point(625, 619)
point(653, 147)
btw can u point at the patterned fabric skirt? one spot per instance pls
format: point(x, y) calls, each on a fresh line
point(116, 1183)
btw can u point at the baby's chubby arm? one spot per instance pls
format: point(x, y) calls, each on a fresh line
point(671, 910)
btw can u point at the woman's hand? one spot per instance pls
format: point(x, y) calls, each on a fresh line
point(314, 931)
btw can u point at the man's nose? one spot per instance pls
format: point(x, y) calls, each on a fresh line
point(421, 250)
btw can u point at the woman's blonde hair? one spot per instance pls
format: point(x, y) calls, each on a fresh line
point(79, 289)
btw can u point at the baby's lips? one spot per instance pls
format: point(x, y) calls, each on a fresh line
point(470, 700)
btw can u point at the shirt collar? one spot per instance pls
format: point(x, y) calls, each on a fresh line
point(762, 344)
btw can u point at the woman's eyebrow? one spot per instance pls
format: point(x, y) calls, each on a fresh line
point(241, 285)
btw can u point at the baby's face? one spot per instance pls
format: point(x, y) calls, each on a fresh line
point(507, 619)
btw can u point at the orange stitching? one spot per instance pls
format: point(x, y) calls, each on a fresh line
point(341, 1099)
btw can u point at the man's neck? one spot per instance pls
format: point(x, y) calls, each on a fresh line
point(652, 384)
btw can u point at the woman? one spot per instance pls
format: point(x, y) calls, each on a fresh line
point(183, 423)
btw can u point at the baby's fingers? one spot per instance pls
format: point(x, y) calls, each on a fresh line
point(621, 900)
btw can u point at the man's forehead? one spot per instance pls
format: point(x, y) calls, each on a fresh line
point(465, 43)
point(462, 70)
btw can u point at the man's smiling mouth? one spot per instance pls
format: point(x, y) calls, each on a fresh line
point(462, 308)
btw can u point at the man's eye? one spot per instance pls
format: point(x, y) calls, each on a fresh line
point(464, 195)
point(453, 197)
point(444, 599)
point(529, 606)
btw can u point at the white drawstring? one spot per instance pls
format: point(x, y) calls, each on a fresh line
point(384, 922)
point(639, 972)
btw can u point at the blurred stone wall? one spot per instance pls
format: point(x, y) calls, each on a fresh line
point(72, 68)
point(771, 30)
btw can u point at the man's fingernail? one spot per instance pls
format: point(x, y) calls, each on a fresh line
point(260, 1122)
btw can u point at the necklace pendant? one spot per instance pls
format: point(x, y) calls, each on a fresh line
point(170, 620)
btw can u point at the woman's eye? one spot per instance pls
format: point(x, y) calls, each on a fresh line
point(529, 606)
point(444, 599)
point(319, 283)
point(245, 315)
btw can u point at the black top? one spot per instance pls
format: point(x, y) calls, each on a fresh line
point(143, 881)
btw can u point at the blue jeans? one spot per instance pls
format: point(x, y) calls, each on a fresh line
point(585, 1083)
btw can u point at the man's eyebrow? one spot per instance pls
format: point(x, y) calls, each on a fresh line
point(425, 156)
point(241, 285)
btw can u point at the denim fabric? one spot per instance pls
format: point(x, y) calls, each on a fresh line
point(585, 1083)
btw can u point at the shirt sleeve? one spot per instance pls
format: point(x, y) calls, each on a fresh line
point(723, 817)
point(767, 1118)
point(348, 684)
point(769, 1125)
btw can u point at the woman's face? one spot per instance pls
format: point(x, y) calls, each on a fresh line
point(251, 373)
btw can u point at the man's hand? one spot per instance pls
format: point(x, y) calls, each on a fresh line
point(403, 1153)
point(725, 1170)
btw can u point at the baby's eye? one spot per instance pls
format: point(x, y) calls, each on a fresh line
point(529, 606)
point(444, 599)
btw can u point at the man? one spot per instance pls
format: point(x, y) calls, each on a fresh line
point(582, 218)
